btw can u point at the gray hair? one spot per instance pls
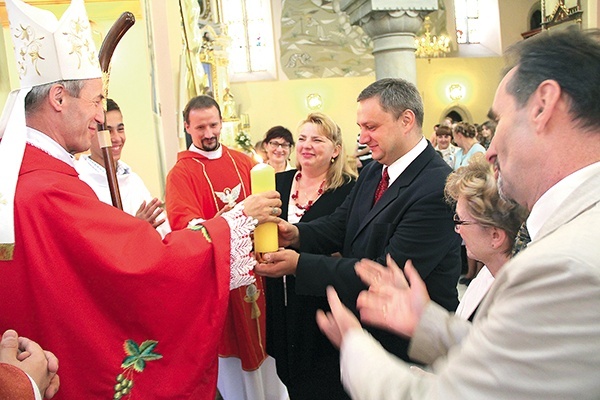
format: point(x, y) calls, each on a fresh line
point(395, 97)
point(38, 93)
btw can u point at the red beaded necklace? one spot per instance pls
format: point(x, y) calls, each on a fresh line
point(308, 205)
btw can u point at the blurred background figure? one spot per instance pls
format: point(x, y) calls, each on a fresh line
point(278, 143)
point(362, 154)
point(443, 135)
point(259, 148)
point(488, 128)
point(306, 361)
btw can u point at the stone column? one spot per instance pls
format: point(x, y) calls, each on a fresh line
point(392, 24)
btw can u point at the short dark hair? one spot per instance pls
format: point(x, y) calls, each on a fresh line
point(444, 131)
point(112, 105)
point(570, 57)
point(395, 97)
point(279, 132)
point(199, 103)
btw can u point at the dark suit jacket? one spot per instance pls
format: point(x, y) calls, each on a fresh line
point(410, 221)
point(307, 363)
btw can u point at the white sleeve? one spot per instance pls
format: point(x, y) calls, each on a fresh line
point(36, 390)
point(242, 261)
point(369, 372)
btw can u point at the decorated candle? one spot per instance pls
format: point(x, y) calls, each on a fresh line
point(262, 177)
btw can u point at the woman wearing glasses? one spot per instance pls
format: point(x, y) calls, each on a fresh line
point(487, 224)
point(306, 361)
point(278, 143)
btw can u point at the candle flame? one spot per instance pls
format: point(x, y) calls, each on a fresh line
point(257, 157)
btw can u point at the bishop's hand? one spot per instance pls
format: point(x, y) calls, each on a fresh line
point(264, 207)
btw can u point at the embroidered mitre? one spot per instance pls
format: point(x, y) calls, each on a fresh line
point(46, 50)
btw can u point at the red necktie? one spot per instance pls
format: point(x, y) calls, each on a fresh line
point(383, 185)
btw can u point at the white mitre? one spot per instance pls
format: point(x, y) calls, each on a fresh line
point(47, 50)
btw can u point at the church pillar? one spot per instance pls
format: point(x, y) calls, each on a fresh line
point(392, 24)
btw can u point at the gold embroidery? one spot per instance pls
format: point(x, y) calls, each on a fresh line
point(7, 251)
point(80, 43)
point(31, 47)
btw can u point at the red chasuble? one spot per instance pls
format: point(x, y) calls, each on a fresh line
point(127, 314)
point(197, 188)
point(14, 384)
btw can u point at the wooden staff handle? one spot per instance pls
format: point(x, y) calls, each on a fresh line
point(116, 32)
point(110, 166)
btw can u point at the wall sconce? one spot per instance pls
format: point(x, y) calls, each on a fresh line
point(314, 101)
point(456, 92)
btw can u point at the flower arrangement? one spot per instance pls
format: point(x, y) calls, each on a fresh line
point(243, 141)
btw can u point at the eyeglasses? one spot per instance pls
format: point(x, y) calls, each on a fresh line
point(458, 221)
point(275, 145)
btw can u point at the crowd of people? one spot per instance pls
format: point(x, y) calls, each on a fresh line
point(361, 299)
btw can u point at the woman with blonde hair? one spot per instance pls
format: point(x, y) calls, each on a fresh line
point(306, 361)
point(487, 223)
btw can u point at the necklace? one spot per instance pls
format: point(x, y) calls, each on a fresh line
point(307, 206)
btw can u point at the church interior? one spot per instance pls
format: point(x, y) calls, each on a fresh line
point(272, 62)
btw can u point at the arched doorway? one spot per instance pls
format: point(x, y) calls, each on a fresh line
point(457, 114)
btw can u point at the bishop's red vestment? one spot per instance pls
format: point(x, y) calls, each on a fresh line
point(197, 187)
point(126, 313)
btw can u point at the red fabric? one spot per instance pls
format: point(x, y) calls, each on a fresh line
point(382, 186)
point(14, 384)
point(190, 195)
point(86, 277)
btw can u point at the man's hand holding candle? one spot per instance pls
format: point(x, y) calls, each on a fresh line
point(288, 235)
point(264, 207)
point(278, 264)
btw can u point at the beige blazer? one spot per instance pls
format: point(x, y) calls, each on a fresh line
point(536, 334)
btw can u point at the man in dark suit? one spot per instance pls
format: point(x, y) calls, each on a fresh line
point(410, 220)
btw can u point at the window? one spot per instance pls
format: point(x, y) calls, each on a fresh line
point(249, 25)
point(467, 21)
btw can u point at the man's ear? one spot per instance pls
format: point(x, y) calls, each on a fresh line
point(56, 96)
point(543, 103)
point(407, 119)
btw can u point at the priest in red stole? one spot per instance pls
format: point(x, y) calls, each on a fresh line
point(207, 179)
point(129, 315)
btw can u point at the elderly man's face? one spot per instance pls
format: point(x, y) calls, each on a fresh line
point(82, 116)
point(512, 150)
